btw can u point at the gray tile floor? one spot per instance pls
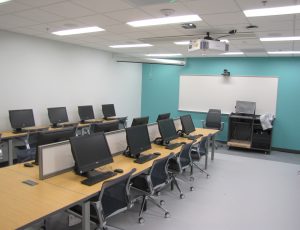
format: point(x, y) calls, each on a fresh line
point(246, 191)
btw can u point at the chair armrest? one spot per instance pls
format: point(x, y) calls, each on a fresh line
point(203, 123)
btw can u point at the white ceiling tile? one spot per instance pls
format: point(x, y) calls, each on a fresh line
point(270, 19)
point(223, 19)
point(138, 35)
point(11, 7)
point(155, 10)
point(128, 15)
point(122, 28)
point(278, 46)
point(68, 10)
point(12, 21)
point(272, 26)
point(38, 3)
point(297, 45)
point(99, 20)
point(103, 6)
point(212, 7)
point(63, 25)
point(39, 16)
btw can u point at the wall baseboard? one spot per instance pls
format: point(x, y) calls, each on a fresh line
point(286, 150)
point(273, 148)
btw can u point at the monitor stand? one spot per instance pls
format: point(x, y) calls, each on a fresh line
point(19, 130)
point(93, 173)
point(56, 125)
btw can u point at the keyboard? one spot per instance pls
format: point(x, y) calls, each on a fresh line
point(193, 137)
point(145, 158)
point(98, 178)
point(175, 145)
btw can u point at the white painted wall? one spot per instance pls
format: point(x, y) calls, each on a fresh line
point(38, 73)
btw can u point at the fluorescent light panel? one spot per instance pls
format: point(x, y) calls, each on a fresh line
point(232, 53)
point(165, 20)
point(278, 39)
point(130, 46)
point(3, 1)
point(83, 30)
point(163, 55)
point(273, 11)
point(284, 52)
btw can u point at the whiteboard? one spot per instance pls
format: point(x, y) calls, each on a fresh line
point(199, 93)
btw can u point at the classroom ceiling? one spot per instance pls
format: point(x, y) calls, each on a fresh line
point(41, 17)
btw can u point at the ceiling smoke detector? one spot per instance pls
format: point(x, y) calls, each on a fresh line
point(167, 12)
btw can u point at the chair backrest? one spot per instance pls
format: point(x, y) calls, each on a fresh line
point(114, 195)
point(159, 172)
point(184, 156)
point(213, 119)
point(203, 145)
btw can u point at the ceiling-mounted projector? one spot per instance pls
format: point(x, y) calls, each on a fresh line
point(208, 43)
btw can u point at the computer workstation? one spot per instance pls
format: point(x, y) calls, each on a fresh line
point(20, 119)
point(188, 127)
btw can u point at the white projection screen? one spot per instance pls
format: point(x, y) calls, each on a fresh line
point(199, 93)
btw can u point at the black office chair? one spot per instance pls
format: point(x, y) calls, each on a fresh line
point(179, 164)
point(213, 121)
point(198, 151)
point(151, 183)
point(113, 199)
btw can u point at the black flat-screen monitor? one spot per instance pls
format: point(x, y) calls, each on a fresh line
point(57, 115)
point(187, 124)
point(105, 127)
point(90, 152)
point(86, 112)
point(138, 140)
point(52, 136)
point(108, 110)
point(163, 116)
point(167, 130)
point(21, 119)
point(140, 121)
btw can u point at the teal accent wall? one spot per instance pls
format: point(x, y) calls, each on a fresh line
point(160, 90)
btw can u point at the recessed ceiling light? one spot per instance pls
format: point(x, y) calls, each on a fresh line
point(163, 55)
point(130, 46)
point(232, 53)
point(3, 1)
point(278, 39)
point(165, 20)
point(284, 52)
point(78, 31)
point(273, 11)
point(166, 61)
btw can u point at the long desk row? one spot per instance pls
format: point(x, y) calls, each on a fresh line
point(9, 135)
point(22, 205)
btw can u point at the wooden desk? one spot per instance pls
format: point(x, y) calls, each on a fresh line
point(61, 191)
point(22, 205)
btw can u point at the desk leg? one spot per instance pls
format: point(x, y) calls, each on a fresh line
point(10, 152)
point(213, 147)
point(86, 215)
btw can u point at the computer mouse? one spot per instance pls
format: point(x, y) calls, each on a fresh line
point(28, 165)
point(119, 170)
point(157, 153)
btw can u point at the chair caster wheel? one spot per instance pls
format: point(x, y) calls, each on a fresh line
point(181, 196)
point(158, 193)
point(207, 176)
point(167, 215)
point(192, 179)
point(141, 220)
point(192, 189)
point(162, 202)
